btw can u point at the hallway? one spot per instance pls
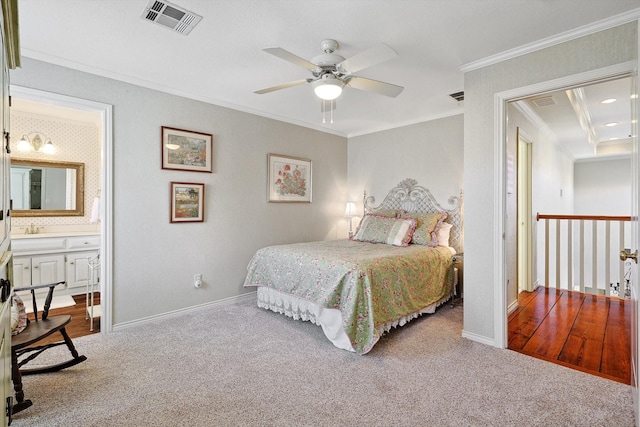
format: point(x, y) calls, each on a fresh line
point(590, 333)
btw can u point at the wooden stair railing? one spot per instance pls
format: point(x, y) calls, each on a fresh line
point(565, 253)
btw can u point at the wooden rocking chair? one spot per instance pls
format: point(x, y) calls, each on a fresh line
point(24, 351)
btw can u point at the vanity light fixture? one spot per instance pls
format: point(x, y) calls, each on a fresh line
point(36, 141)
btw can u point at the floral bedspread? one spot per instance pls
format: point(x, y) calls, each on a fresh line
point(371, 284)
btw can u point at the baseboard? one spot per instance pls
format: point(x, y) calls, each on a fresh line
point(512, 307)
point(478, 338)
point(174, 313)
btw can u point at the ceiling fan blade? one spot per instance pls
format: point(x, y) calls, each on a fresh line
point(376, 86)
point(282, 86)
point(367, 58)
point(294, 59)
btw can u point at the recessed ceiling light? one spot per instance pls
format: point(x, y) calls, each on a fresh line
point(611, 124)
point(613, 138)
point(608, 101)
point(634, 96)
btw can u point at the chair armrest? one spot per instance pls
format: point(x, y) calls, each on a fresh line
point(47, 301)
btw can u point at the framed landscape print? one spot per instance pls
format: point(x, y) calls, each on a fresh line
point(289, 179)
point(187, 202)
point(186, 150)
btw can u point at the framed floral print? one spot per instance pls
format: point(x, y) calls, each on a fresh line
point(186, 150)
point(187, 202)
point(289, 179)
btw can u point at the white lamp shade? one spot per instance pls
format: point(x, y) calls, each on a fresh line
point(350, 210)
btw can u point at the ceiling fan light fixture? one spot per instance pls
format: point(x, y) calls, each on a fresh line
point(328, 88)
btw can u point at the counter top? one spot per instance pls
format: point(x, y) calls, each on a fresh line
point(18, 236)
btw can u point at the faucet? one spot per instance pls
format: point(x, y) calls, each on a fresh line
point(32, 229)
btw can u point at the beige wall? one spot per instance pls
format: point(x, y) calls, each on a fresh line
point(429, 152)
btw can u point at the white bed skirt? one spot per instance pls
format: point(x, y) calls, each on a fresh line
point(330, 319)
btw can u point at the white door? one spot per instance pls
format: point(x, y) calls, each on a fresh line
point(635, 233)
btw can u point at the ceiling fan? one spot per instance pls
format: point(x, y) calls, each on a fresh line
point(332, 72)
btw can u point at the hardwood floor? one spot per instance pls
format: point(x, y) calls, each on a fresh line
point(79, 326)
point(590, 333)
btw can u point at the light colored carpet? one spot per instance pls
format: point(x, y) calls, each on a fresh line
point(57, 302)
point(238, 365)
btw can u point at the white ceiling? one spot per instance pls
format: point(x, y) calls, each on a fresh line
point(221, 61)
point(570, 128)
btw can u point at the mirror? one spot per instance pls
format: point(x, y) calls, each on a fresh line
point(46, 188)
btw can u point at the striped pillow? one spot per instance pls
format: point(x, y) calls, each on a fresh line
point(382, 229)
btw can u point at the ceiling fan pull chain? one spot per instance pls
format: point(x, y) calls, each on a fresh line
point(331, 113)
point(324, 111)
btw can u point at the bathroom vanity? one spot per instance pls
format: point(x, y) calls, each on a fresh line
point(53, 257)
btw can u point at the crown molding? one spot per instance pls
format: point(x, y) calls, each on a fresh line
point(585, 30)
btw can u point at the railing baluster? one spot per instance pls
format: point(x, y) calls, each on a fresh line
point(594, 257)
point(606, 252)
point(581, 255)
point(607, 258)
point(621, 245)
point(546, 253)
point(558, 285)
point(570, 255)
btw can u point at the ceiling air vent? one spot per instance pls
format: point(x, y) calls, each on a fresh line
point(543, 101)
point(170, 16)
point(458, 96)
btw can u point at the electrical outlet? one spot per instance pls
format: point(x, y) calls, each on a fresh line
point(197, 280)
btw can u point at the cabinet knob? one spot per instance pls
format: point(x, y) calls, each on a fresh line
point(26, 267)
point(35, 266)
point(71, 263)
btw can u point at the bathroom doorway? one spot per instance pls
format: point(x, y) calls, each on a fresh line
point(83, 130)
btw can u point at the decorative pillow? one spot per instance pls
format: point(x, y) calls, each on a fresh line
point(427, 225)
point(442, 234)
point(382, 229)
point(18, 316)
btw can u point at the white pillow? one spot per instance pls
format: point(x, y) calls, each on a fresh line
point(442, 234)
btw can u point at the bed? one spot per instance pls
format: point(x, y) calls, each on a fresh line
point(397, 266)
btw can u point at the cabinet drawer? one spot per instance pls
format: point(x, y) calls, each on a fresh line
point(83, 242)
point(38, 245)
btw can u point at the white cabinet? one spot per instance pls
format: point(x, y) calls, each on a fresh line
point(38, 270)
point(49, 259)
point(78, 269)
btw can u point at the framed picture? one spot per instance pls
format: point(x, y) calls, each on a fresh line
point(186, 150)
point(289, 179)
point(187, 202)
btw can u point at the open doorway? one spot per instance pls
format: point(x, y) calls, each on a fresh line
point(575, 145)
point(80, 131)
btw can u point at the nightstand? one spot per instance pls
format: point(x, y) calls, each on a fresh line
point(457, 264)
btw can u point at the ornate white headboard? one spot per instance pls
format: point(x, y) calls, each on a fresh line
point(411, 197)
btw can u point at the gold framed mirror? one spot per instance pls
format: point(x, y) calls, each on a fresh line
point(46, 188)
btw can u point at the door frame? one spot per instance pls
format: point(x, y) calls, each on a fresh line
point(106, 185)
point(501, 99)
